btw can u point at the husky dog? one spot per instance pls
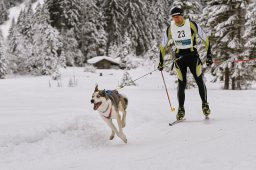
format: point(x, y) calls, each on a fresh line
point(109, 104)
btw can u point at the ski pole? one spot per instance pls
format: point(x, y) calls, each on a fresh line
point(133, 81)
point(172, 108)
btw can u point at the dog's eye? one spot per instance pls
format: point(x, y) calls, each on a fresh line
point(98, 96)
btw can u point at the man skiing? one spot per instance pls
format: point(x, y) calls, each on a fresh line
point(183, 31)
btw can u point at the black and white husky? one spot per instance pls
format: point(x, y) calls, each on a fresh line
point(109, 104)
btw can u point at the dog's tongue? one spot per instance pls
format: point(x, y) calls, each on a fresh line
point(96, 105)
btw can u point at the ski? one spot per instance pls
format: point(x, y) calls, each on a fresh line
point(176, 121)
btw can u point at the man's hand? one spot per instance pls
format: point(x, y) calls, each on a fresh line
point(209, 60)
point(160, 66)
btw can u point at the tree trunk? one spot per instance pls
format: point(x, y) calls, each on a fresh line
point(238, 83)
point(233, 82)
point(226, 75)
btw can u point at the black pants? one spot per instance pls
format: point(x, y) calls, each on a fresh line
point(193, 62)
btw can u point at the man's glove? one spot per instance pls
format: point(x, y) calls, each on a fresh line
point(160, 66)
point(209, 60)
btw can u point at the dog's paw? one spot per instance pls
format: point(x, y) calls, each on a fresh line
point(123, 124)
point(124, 138)
point(111, 137)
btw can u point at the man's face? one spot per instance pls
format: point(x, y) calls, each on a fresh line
point(178, 19)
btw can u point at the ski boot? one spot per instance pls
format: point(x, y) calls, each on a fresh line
point(181, 113)
point(206, 110)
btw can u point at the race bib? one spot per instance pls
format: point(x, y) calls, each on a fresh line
point(182, 35)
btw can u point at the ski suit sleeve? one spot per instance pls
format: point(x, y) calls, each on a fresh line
point(203, 36)
point(164, 44)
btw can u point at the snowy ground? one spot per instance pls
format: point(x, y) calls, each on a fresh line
point(56, 128)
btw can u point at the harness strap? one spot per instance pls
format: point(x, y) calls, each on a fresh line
point(108, 117)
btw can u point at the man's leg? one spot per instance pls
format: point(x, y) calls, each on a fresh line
point(181, 70)
point(195, 68)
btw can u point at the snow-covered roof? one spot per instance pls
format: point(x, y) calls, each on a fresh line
point(99, 58)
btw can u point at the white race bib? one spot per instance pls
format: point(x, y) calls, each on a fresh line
point(182, 35)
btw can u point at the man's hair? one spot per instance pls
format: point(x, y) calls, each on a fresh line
point(176, 12)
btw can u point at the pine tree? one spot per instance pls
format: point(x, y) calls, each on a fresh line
point(226, 19)
point(65, 14)
point(127, 80)
point(10, 3)
point(101, 41)
point(47, 56)
point(250, 31)
point(192, 8)
point(93, 37)
point(3, 61)
point(27, 22)
point(4, 13)
point(72, 13)
point(246, 76)
point(124, 50)
point(135, 25)
point(114, 13)
point(56, 13)
point(17, 48)
point(70, 49)
point(158, 12)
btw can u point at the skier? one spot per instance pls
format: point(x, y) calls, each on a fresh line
point(183, 31)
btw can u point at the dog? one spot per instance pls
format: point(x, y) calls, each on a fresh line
point(109, 104)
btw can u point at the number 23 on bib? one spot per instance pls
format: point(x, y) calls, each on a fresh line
point(182, 35)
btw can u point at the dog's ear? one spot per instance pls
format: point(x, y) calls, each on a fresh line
point(104, 94)
point(96, 88)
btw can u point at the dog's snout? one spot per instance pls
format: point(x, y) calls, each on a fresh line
point(92, 101)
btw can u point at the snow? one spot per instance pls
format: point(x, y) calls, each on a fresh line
point(99, 58)
point(57, 128)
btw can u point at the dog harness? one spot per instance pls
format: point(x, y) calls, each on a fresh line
point(110, 112)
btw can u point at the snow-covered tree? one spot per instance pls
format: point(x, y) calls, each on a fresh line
point(10, 3)
point(114, 13)
point(137, 25)
point(126, 47)
point(127, 80)
point(158, 11)
point(70, 49)
point(249, 36)
point(17, 49)
point(47, 57)
point(93, 37)
point(226, 20)
point(4, 13)
point(3, 61)
point(56, 13)
point(26, 23)
point(64, 14)
point(33, 45)
point(192, 8)
point(41, 15)
point(250, 31)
